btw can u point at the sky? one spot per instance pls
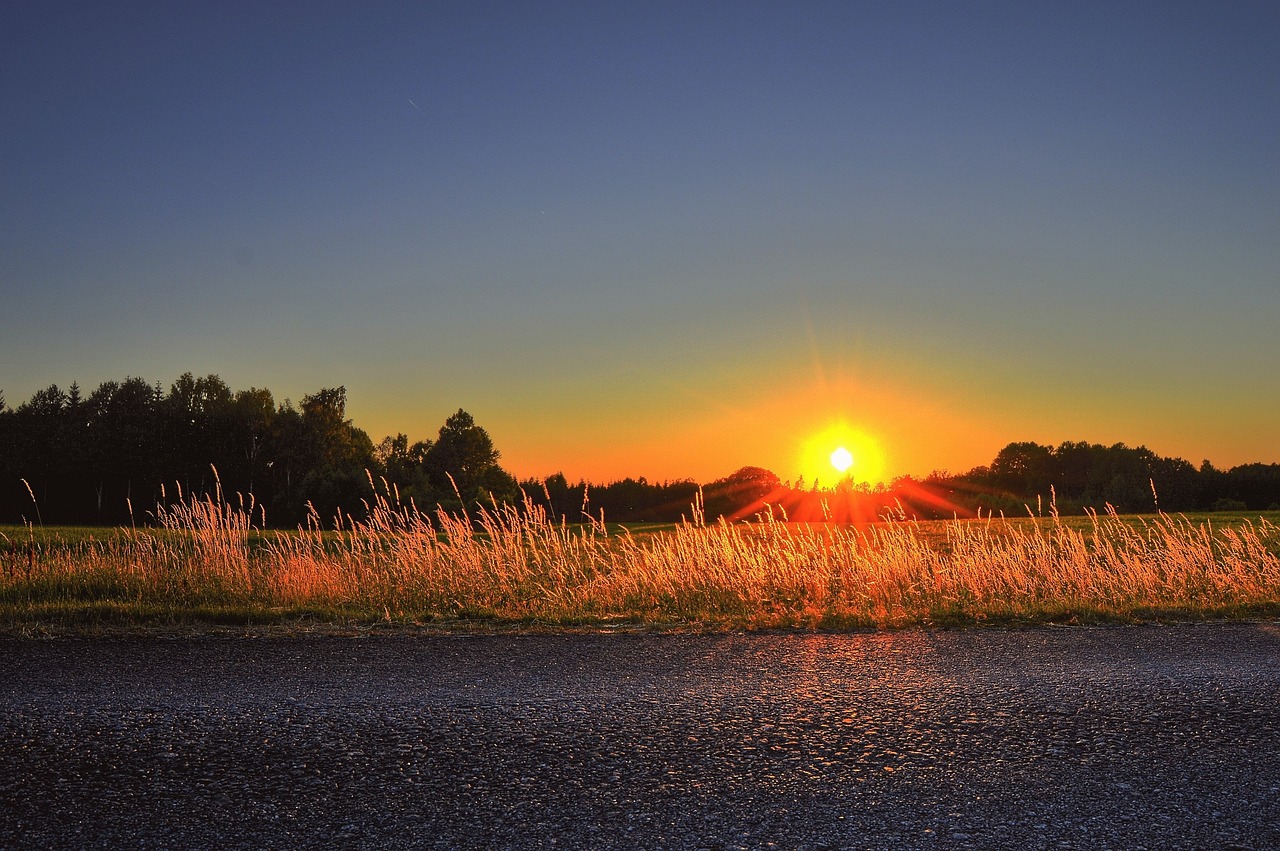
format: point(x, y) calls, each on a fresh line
point(663, 239)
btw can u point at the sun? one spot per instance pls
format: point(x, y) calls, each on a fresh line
point(841, 452)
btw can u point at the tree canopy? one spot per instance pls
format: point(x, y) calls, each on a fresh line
point(112, 457)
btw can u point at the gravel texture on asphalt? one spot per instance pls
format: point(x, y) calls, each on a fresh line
point(1141, 737)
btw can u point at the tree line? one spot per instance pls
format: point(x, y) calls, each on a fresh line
point(112, 456)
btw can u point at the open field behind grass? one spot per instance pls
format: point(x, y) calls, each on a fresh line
point(204, 564)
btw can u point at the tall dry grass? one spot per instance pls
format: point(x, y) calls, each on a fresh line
point(204, 559)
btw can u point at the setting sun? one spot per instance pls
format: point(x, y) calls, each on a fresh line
point(846, 452)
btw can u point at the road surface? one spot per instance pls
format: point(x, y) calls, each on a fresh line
point(1137, 737)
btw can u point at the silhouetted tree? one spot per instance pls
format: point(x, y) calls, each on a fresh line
point(36, 425)
point(336, 455)
point(1025, 468)
point(1213, 484)
point(197, 425)
point(252, 413)
point(124, 457)
point(404, 465)
point(743, 492)
point(562, 500)
point(463, 457)
point(1256, 485)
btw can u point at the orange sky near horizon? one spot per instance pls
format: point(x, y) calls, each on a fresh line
point(789, 422)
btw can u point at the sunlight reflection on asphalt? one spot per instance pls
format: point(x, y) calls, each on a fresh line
point(1121, 737)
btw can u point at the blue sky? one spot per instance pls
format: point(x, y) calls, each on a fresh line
point(661, 239)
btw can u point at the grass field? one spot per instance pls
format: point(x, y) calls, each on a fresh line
point(203, 564)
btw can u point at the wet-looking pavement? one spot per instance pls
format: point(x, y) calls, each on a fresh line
point(1136, 737)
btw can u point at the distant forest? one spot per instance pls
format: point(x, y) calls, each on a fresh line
point(113, 456)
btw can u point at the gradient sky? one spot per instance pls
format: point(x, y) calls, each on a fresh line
point(661, 240)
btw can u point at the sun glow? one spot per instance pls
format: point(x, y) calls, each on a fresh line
point(841, 453)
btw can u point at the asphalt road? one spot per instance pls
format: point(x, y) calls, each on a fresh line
point(1151, 737)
